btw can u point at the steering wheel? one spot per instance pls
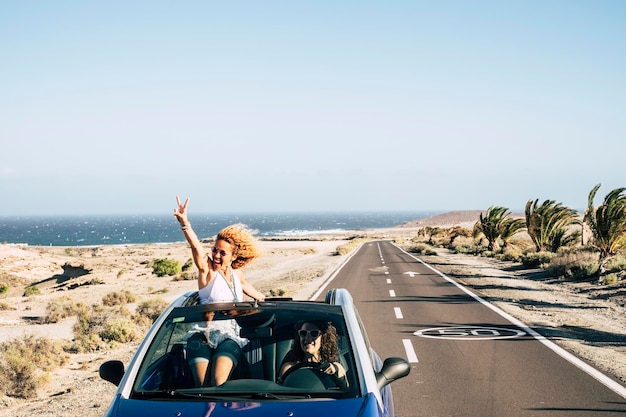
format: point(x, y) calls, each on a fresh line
point(311, 375)
point(316, 366)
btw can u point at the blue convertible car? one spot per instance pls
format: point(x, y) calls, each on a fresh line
point(159, 382)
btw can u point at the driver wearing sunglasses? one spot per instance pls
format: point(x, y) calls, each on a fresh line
point(315, 344)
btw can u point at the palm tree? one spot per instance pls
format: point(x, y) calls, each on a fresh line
point(509, 228)
point(490, 225)
point(549, 225)
point(608, 221)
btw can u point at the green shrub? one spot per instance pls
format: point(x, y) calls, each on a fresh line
point(31, 290)
point(609, 279)
point(103, 327)
point(537, 259)
point(119, 330)
point(509, 256)
point(165, 266)
point(4, 288)
point(616, 263)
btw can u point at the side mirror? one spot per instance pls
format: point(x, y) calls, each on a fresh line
point(393, 369)
point(112, 371)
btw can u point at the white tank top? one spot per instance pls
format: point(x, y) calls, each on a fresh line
point(218, 290)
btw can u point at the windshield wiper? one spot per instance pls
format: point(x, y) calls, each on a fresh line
point(215, 396)
point(195, 394)
point(282, 396)
point(166, 393)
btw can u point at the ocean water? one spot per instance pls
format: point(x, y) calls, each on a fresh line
point(135, 229)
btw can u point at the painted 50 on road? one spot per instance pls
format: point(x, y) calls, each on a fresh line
point(470, 333)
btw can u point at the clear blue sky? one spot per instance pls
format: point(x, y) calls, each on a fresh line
point(246, 106)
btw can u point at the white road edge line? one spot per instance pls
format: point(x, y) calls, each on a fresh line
point(333, 275)
point(410, 352)
point(593, 372)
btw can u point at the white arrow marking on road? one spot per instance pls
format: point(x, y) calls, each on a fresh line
point(411, 273)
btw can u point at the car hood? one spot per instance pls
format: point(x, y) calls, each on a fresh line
point(360, 407)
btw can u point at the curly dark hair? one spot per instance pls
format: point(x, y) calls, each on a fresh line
point(328, 351)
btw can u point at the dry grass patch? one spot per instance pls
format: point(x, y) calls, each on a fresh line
point(151, 309)
point(118, 298)
point(577, 265)
point(349, 247)
point(24, 365)
point(63, 308)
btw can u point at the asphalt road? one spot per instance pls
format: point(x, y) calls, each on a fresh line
point(467, 358)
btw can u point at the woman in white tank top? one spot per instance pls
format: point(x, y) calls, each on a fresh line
point(218, 282)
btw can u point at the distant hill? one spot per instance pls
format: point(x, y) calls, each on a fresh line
point(465, 218)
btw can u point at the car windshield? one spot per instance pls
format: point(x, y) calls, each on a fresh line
point(268, 331)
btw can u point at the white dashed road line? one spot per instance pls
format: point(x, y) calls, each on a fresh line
point(410, 352)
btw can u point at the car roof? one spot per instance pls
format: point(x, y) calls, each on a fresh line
point(257, 314)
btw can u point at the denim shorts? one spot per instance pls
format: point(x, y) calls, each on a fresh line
point(198, 350)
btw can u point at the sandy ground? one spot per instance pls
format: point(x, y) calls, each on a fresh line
point(581, 317)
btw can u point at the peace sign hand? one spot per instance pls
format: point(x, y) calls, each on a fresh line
point(181, 211)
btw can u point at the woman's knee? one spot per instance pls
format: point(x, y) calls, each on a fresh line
point(228, 349)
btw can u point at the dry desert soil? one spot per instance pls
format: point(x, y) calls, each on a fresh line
point(582, 317)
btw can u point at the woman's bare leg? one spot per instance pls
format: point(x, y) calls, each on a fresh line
point(199, 371)
point(223, 366)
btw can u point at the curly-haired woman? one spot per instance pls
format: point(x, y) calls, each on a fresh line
point(315, 343)
point(219, 280)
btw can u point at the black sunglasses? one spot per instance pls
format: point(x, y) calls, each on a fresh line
point(315, 333)
point(222, 252)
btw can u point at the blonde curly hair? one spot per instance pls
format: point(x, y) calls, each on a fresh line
point(241, 238)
